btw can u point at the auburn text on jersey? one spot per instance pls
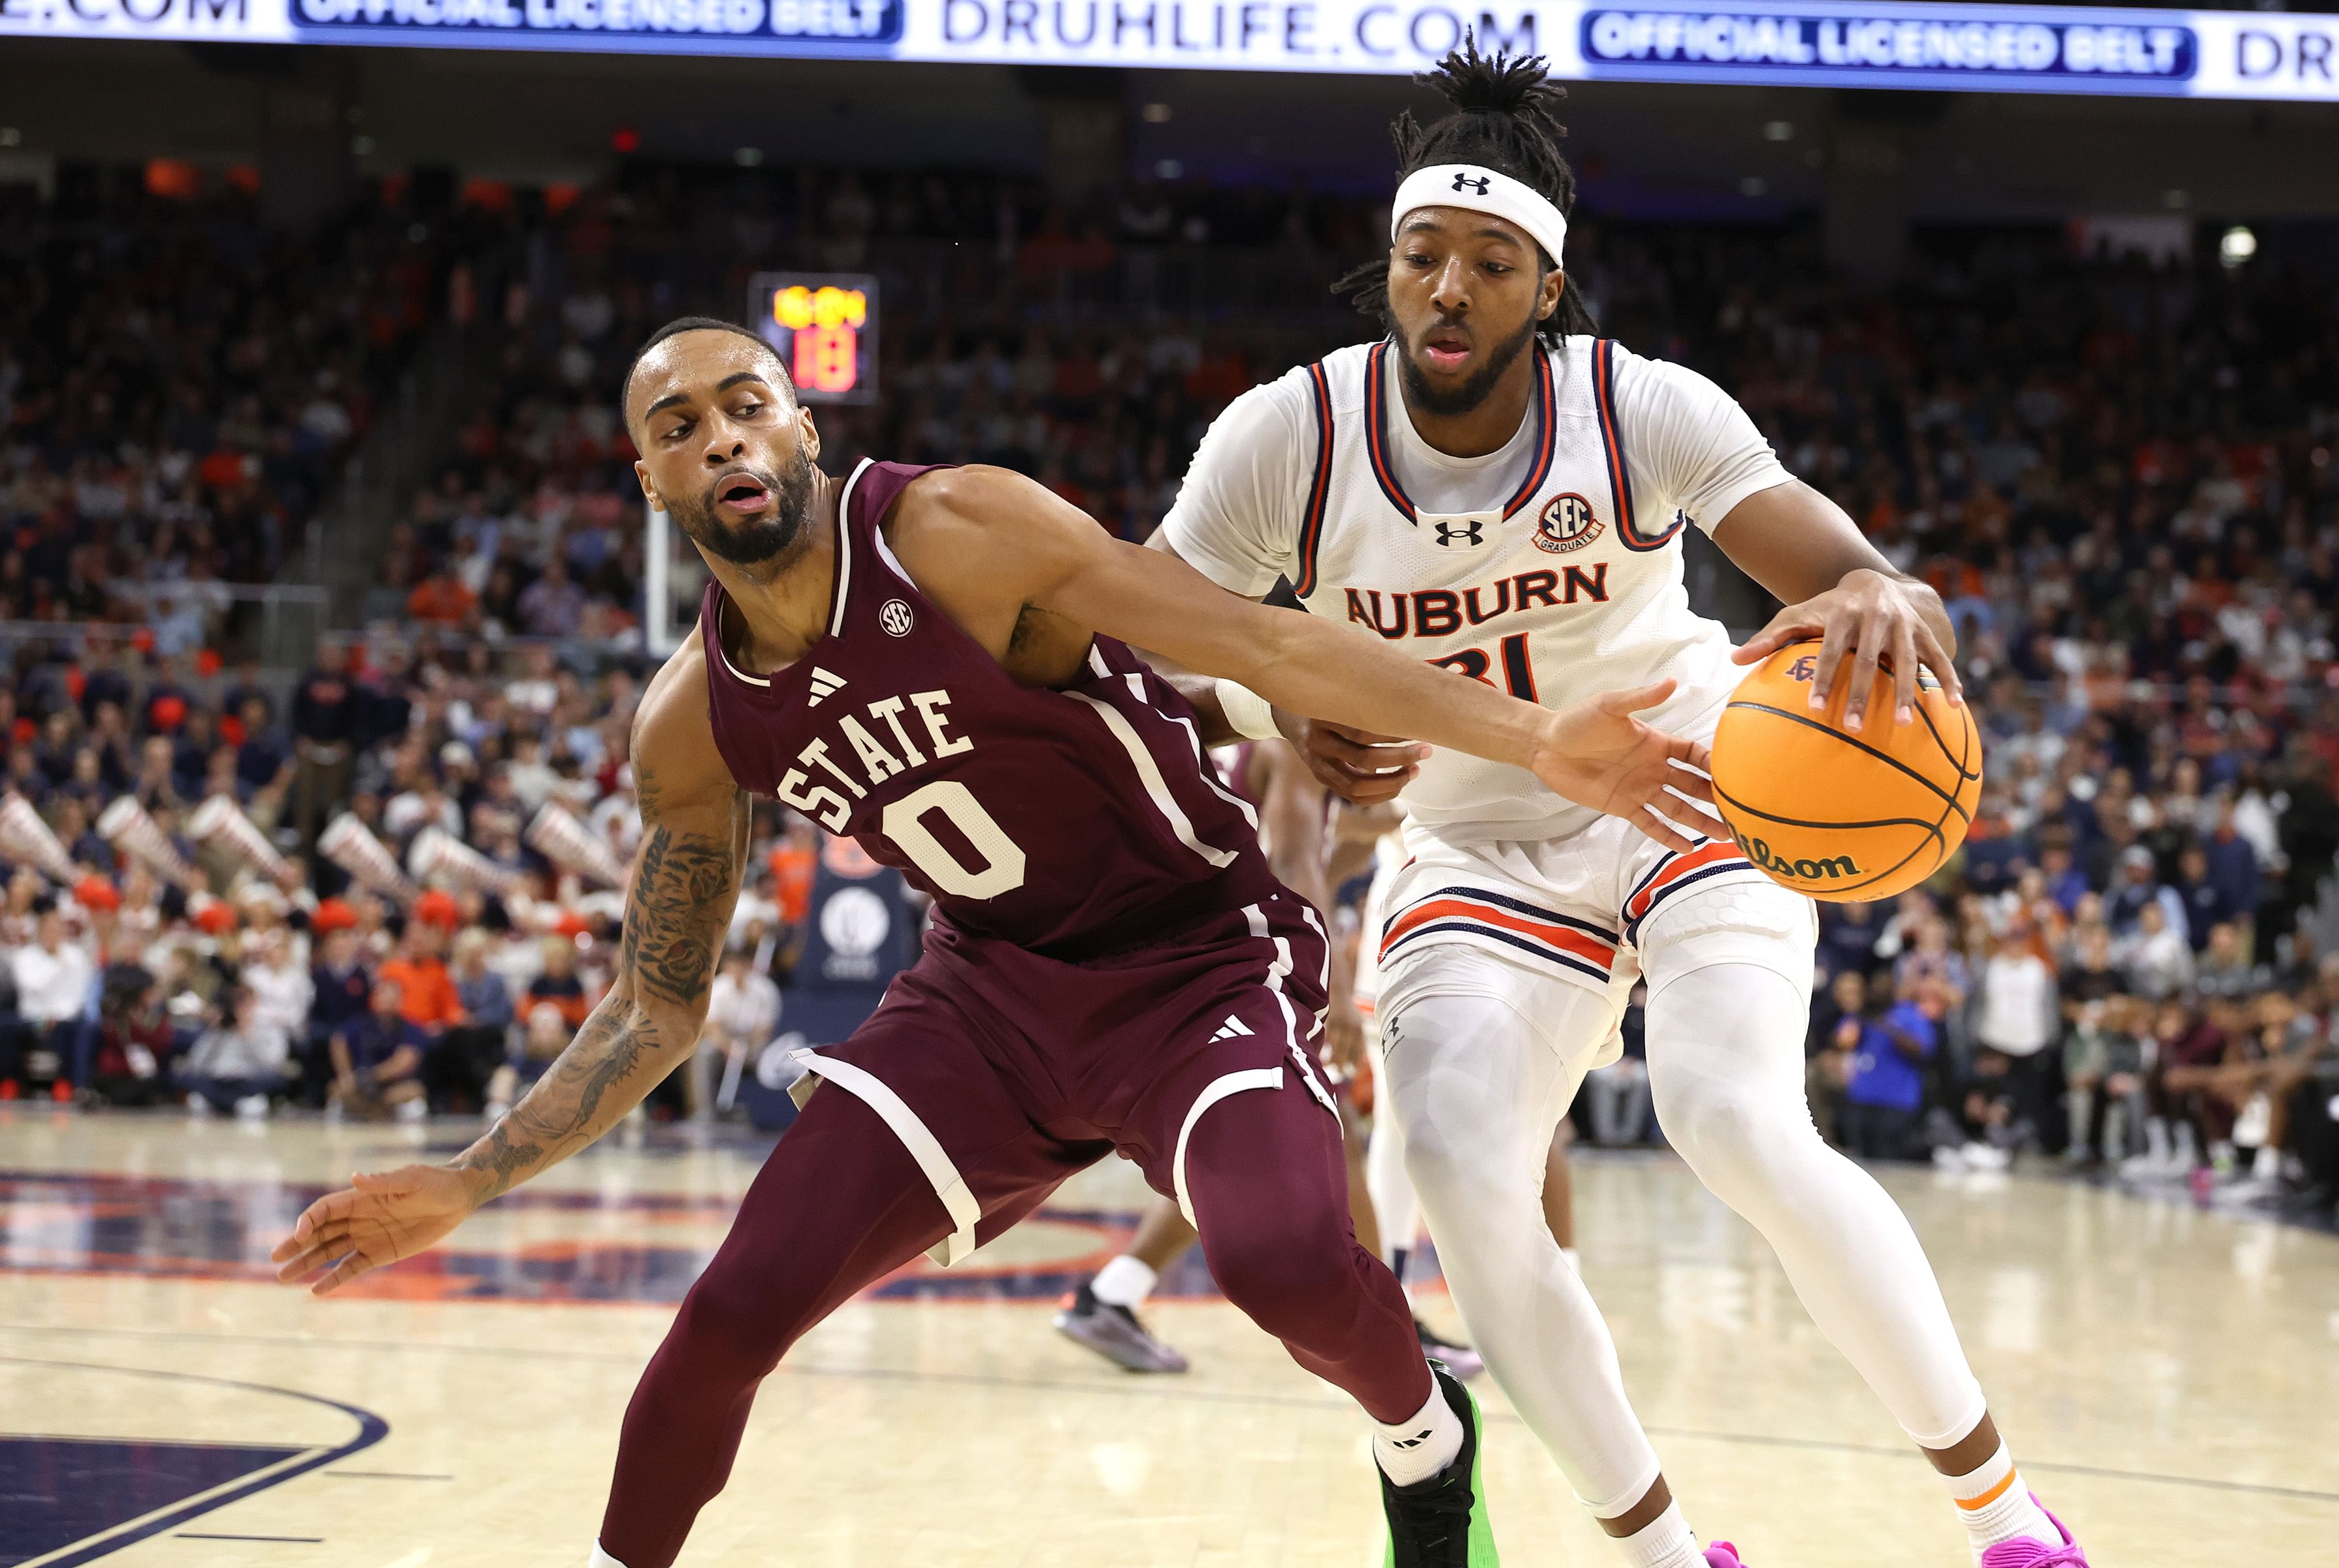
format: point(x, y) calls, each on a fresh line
point(1442, 612)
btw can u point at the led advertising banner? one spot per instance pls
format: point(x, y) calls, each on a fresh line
point(1973, 48)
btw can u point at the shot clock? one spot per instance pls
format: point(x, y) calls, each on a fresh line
point(824, 326)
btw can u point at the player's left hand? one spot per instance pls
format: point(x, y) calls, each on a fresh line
point(1870, 616)
point(377, 1219)
point(1344, 1036)
point(1596, 754)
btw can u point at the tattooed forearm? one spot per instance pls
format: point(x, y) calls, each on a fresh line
point(606, 1050)
point(566, 1109)
point(502, 1160)
point(676, 912)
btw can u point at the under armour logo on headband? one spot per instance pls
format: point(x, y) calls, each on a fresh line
point(1477, 189)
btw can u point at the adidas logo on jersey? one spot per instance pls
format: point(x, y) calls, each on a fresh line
point(1232, 1028)
point(823, 684)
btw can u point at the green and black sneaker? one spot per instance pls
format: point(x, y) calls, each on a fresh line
point(1441, 1522)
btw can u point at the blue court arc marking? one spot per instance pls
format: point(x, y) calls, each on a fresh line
point(57, 1491)
point(155, 1486)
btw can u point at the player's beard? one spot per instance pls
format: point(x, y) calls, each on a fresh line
point(1426, 398)
point(759, 543)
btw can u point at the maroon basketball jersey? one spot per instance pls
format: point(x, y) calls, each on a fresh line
point(1074, 822)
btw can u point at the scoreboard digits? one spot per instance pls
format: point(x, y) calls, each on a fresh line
point(824, 326)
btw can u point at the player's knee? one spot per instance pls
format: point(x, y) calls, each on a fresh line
point(1446, 1163)
point(730, 1329)
point(1738, 1142)
point(1288, 1275)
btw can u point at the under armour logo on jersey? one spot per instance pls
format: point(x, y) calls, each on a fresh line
point(893, 615)
point(1449, 534)
point(1479, 183)
point(1232, 1028)
point(823, 684)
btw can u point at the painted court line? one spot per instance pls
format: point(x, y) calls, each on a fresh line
point(371, 1429)
point(1154, 1391)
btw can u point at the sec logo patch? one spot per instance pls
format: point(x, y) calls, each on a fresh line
point(1567, 523)
point(893, 615)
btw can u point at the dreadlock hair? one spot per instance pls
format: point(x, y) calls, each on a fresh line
point(695, 324)
point(1506, 118)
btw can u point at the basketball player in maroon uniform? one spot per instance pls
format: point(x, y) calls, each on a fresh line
point(939, 663)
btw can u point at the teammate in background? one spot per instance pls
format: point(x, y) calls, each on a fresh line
point(1295, 811)
point(938, 665)
point(1494, 489)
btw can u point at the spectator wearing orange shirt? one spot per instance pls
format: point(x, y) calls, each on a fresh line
point(426, 996)
point(441, 599)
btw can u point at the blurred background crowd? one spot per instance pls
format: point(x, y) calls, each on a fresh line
point(2113, 462)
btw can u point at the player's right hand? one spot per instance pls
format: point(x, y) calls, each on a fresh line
point(1596, 754)
point(1360, 767)
point(377, 1219)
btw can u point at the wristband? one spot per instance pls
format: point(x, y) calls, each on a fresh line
point(1249, 714)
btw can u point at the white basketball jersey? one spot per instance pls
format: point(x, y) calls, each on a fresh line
point(1559, 589)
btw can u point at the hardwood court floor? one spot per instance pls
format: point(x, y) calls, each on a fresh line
point(2169, 1377)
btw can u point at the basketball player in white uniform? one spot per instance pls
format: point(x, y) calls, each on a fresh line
point(1500, 491)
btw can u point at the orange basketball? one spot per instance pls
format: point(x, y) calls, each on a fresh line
point(1841, 816)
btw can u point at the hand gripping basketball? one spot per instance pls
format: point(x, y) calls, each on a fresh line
point(1843, 817)
point(1596, 754)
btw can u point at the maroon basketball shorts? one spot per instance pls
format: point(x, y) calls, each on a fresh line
point(1003, 1072)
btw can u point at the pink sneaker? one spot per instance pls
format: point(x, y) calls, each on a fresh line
point(1722, 1555)
point(2032, 1555)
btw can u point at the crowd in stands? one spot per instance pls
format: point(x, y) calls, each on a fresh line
point(2117, 474)
point(178, 389)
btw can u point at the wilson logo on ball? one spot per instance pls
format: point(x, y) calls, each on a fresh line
point(1837, 814)
point(1567, 523)
point(1760, 853)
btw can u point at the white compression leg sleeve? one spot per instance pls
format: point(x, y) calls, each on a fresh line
point(1479, 1085)
point(1394, 1203)
point(1726, 1067)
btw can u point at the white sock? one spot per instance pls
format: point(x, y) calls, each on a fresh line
point(1664, 1541)
point(602, 1559)
point(2266, 1164)
point(1996, 1506)
point(1126, 1281)
point(1417, 1449)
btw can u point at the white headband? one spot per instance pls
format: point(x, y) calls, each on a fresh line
point(1481, 191)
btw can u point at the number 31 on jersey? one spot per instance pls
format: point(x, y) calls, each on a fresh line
point(1518, 668)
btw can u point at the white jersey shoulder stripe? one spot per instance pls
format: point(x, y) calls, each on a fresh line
point(845, 550)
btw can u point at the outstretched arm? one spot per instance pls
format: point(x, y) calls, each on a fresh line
point(1006, 539)
point(686, 881)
